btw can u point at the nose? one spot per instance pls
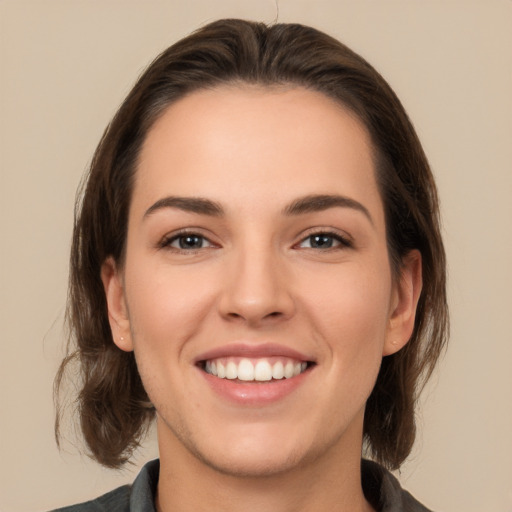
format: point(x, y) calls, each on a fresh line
point(257, 289)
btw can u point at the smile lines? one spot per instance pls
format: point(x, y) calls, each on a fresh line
point(260, 370)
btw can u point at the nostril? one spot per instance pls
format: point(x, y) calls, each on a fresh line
point(236, 316)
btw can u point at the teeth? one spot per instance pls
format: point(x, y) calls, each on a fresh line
point(288, 370)
point(245, 370)
point(278, 370)
point(231, 370)
point(260, 370)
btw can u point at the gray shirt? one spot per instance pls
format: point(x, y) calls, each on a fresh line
point(380, 487)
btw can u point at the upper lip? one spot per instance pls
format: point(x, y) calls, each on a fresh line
point(252, 350)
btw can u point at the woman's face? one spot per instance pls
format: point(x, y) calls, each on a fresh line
point(256, 291)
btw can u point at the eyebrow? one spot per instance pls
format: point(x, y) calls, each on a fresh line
point(302, 205)
point(197, 205)
point(318, 203)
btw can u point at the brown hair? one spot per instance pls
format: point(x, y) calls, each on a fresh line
point(113, 406)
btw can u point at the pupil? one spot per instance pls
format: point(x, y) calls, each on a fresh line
point(191, 242)
point(323, 241)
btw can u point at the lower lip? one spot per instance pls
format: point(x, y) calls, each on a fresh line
point(255, 393)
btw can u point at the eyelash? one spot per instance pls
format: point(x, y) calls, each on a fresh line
point(343, 241)
point(167, 241)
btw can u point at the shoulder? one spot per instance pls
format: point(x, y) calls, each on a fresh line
point(136, 497)
point(117, 500)
point(384, 492)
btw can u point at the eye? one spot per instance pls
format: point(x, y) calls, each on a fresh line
point(187, 242)
point(324, 241)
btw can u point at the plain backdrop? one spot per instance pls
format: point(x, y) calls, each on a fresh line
point(65, 67)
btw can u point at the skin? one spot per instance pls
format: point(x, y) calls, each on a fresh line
point(259, 278)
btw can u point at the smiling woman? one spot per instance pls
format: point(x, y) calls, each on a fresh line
point(257, 263)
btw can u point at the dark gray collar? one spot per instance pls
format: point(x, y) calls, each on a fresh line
point(143, 492)
point(380, 487)
point(384, 492)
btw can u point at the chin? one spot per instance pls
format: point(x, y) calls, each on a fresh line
point(251, 465)
point(256, 452)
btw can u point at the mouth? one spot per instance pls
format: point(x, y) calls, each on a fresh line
point(245, 369)
point(255, 375)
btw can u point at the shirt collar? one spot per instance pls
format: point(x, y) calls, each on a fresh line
point(380, 487)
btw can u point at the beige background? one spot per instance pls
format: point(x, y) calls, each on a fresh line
point(66, 65)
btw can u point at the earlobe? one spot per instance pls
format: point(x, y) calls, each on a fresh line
point(116, 304)
point(405, 301)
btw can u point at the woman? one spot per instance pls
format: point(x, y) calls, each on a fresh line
point(257, 264)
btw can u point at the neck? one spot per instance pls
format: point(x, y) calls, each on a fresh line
point(330, 482)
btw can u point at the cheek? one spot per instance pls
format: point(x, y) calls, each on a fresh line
point(351, 318)
point(353, 299)
point(165, 307)
point(160, 296)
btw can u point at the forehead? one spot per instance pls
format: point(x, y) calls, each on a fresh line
point(248, 140)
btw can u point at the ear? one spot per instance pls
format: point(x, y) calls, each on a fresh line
point(116, 303)
point(405, 298)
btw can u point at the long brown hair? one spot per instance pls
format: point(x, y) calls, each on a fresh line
point(113, 407)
